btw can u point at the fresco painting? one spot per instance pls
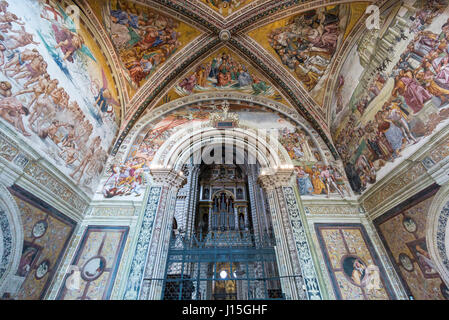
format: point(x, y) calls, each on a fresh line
point(403, 232)
point(321, 179)
point(306, 43)
point(47, 233)
point(144, 38)
point(354, 268)
point(224, 71)
point(97, 260)
point(385, 110)
point(56, 89)
point(126, 179)
point(226, 7)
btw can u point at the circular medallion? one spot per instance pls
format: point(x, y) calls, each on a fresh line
point(406, 262)
point(354, 269)
point(42, 269)
point(409, 224)
point(225, 35)
point(40, 228)
point(93, 268)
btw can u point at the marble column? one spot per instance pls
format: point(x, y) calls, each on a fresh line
point(192, 199)
point(295, 264)
point(285, 252)
point(171, 182)
point(153, 255)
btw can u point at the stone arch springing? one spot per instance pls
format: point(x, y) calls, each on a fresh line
point(11, 231)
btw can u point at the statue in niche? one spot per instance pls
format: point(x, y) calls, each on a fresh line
point(241, 220)
point(203, 225)
point(239, 193)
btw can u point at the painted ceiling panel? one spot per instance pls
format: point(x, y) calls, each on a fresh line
point(306, 43)
point(224, 70)
point(226, 7)
point(143, 37)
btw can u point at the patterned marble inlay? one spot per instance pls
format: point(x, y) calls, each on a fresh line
point(305, 257)
point(6, 242)
point(441, 235)
point(143, 242)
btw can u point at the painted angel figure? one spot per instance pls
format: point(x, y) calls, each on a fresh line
point(103, 96)
point(67, 38)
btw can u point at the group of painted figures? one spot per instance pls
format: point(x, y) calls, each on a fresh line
point(416, 105)
point(297, 145)
point(321, 180)
point(144, 38)
point(307, 43)
point(31, 100)
point(223, 72)
point(125, 179)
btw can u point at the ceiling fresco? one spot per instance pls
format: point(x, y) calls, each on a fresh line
point(226, 7)
point(223, 71)
point(144, 38)
point(307, 42)
point(187, 31)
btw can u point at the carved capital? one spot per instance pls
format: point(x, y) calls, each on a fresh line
point(168, 177)
point(279, 179)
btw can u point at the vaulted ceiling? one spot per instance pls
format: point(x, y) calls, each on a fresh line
point(248, 31)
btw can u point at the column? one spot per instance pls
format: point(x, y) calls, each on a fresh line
point(11, 229)
point(272, 185)
point(256, 212)
point(192, 198)
point(297, 281)
point(236, 219)
point(168, 182)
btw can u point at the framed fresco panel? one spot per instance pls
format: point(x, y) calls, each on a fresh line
point(95, 264)
point(354, 267)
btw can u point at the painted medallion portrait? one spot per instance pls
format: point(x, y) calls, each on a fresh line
point(93, 268)
point(40, 228)
point(354, 268)
point(29, 255)
point(409, 224)
point(406, 262)
point(361, 274)
point(42, 269)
